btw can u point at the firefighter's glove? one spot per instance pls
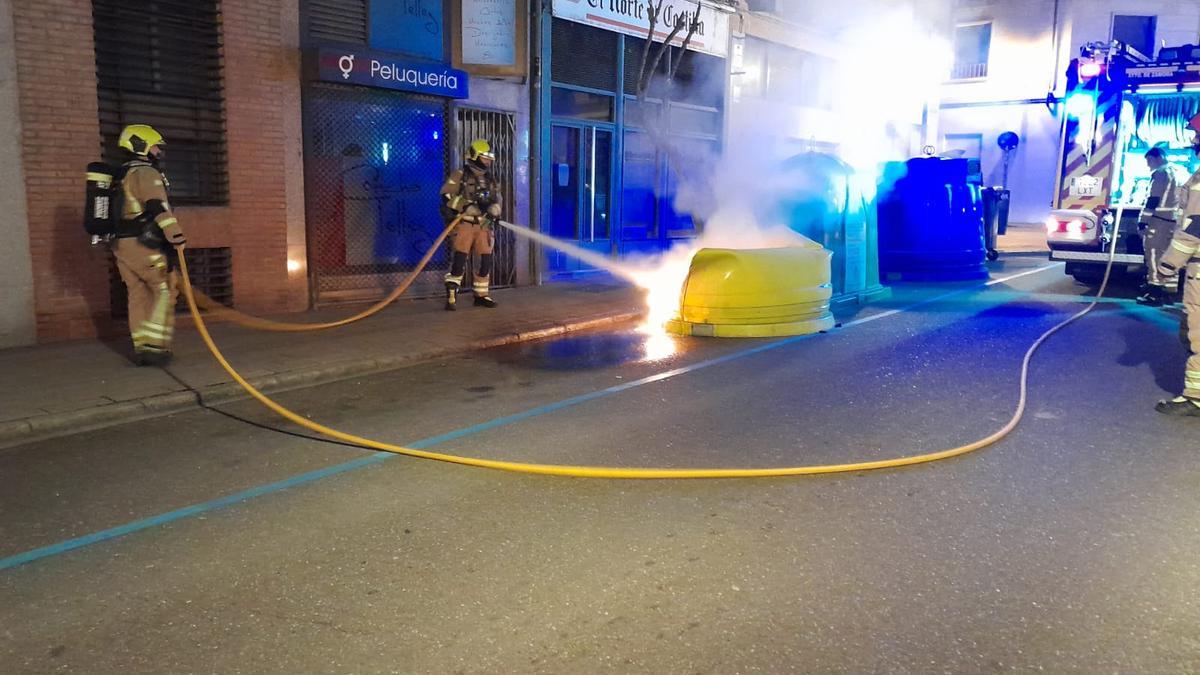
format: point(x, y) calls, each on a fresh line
point(494, 211)
point(1166, 269)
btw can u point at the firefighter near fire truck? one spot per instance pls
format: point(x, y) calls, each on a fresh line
point(1157, 225)
point(1183, 255)
point(471, 194)
point(129, 209)
point(1120, 110)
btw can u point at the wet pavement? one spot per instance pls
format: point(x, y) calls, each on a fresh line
point(1071, 546)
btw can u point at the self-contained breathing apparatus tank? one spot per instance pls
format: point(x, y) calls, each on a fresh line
point(102, 205)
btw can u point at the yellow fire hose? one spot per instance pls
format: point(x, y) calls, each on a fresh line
point(618, 472)
point(232, 315)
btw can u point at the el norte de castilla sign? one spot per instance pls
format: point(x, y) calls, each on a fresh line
point(630, 17)
point(376, 69)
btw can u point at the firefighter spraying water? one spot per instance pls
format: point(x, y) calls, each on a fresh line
point(471, 196)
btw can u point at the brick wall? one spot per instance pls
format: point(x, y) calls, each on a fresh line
point(57, 83)
point(56, 76)
point(264, 74)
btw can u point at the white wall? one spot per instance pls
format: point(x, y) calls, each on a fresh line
point(17, 322)
point(1031, 172)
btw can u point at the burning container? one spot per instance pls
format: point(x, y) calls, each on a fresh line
point(756, 292)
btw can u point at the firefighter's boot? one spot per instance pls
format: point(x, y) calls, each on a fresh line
point(151, 357)
point(482, 283)
point(1153, 297)
point(1180, 406)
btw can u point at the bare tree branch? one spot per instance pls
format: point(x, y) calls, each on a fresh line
point(661, 50)
point(695, 26)
point(653, 12)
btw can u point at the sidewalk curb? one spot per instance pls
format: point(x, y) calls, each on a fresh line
point(51, 425)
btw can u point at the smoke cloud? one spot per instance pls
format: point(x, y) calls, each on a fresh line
point(865, 100)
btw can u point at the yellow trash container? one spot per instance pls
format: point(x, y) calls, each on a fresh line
point(765, 292)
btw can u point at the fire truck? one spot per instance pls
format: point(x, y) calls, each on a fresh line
point(1118, 105)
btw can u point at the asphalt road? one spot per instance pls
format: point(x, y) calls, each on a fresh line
point(206, 542)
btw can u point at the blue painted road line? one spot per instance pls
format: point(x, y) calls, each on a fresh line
point(376, 457)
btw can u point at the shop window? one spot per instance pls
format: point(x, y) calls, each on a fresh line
point(972, 44)
point(374, 162)
point(410, 27)
point(1135, 31)
point(581, 105)
point(640, 177)
point(633, 62)
point(583, 56)
point(677, 218)
point(639, 113)
point(160, 64)
point(699, 79)
point(750, 76)
point(685, 120)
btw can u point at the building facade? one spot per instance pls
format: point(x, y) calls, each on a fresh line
point(387, 115)
point(1010, 75)
point(307, 139)
point(297, 185)
point(79, 70)
point(622, 122)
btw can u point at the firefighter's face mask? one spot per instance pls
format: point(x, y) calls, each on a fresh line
point(155, 155)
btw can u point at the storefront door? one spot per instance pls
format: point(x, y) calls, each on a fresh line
point(581, 193)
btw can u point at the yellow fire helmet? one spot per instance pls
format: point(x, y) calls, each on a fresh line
point(480, 149)
point(139, 138)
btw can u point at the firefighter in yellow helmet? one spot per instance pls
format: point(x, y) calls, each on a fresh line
point(1184, 254)
point(472, 193)
point(144, 247)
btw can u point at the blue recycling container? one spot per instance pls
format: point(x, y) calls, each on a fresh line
point(822, 198)
point(930, 222)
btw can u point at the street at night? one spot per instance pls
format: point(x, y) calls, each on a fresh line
point(562, 337)
point(1070, 546)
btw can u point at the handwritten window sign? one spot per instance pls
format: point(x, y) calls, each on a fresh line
point(489, 32)
point(490, 37)
point(412, 27)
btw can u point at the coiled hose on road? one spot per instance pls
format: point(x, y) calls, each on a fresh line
point(620, 472)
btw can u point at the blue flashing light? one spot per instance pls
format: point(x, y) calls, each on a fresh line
point(385, 153)
point(437, 135)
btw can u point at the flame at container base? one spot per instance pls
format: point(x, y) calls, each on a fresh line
point(780, 288)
